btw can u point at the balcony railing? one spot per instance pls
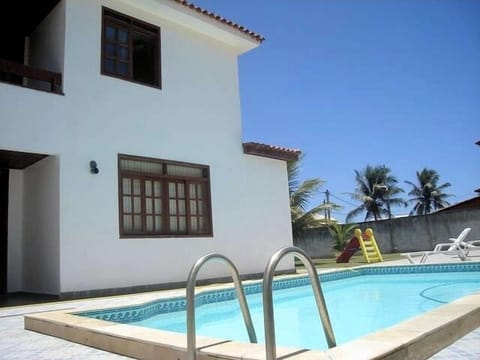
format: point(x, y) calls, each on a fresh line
point(15, 73)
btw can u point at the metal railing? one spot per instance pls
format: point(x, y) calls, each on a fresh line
point(268, 316)
point(191, 333)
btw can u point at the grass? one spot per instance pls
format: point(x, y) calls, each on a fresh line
point(356, 260)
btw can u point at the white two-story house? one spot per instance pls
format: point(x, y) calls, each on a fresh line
point(121, 154)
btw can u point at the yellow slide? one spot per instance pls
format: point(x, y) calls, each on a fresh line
point(369, 247)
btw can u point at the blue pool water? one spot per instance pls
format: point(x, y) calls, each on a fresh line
point(357, 306)
point(358, 302)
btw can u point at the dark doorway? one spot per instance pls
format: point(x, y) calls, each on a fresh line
point(18, 19)
point(3, 229)
point(9, 160)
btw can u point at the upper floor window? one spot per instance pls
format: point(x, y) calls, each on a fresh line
point(130, 49)
point(163, 198)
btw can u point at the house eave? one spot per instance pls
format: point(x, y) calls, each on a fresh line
point(195, 19)
point(270, 151)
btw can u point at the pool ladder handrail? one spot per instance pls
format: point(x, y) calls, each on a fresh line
point(192, 276)
point(268, 316)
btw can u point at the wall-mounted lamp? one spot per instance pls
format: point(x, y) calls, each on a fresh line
point(93, 167)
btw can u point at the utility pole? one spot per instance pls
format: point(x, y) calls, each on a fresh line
point(386, 194)
point(327, 194)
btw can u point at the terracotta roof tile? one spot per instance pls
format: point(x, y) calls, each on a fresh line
point(473, 203)
point(259, 38)
point(271, 151)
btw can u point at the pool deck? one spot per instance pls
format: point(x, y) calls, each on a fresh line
point(16, 343)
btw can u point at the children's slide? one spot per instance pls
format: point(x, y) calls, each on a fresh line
point(349, 250)
point(369, 246)
point(366, 242)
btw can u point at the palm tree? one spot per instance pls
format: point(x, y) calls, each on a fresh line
point(376, 190)
point(300, 196)
point(340, 234)
point(427, 194)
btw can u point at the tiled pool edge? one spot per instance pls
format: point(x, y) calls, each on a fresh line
point(417, 338)
point(128, 314)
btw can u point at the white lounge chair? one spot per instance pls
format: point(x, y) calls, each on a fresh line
point(458, 247)
point(471, 245)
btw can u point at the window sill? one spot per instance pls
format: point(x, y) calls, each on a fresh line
point(158, 87)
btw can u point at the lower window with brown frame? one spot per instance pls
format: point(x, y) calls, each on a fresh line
point(160, 198)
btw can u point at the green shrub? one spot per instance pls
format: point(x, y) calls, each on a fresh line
point(341, 234)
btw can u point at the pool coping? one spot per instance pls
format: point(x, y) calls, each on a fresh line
point(417, 338)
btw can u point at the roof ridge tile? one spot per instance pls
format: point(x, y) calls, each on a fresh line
point(271, 151)
point(255, 36)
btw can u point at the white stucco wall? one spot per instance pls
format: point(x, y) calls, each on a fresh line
point(195, 117)
point(15, 231)
point(263, 223)
point(41, 227)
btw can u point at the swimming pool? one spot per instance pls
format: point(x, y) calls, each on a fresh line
point(359, 302)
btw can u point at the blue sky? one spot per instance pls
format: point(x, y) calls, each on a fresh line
point(357, 82)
